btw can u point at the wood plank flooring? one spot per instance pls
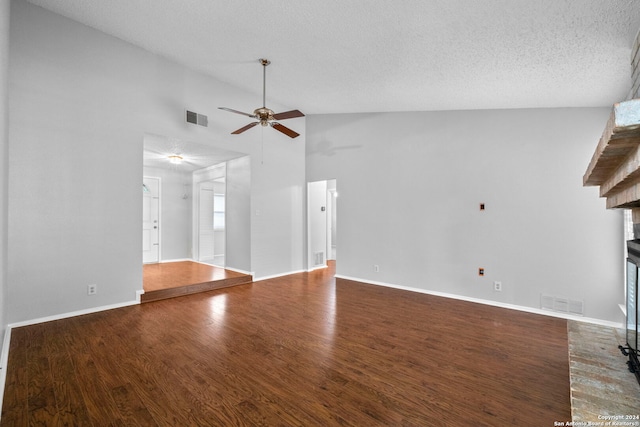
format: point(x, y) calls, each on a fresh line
point(173, 279)
point(300, 350)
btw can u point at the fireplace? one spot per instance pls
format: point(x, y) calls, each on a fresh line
point(633, 270)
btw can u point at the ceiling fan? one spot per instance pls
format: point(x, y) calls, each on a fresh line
point(265, 116)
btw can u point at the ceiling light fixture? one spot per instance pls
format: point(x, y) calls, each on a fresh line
point(175, 159)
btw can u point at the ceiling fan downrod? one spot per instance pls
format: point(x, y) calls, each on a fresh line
point(264, 63)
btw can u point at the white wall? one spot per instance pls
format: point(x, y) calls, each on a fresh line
point(4, 159)
point(175, 212)
point(410, 189)
point(238, 211)
point(277, 207)
point(81, 102)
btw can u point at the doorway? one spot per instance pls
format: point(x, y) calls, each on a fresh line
point(321, 223)
point(332, 219)
point(182, 165)
point(212, 221)
point(150, 220)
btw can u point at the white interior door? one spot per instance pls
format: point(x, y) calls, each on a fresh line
point(151, 220)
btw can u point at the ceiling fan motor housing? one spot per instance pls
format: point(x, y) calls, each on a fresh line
point(264, 114)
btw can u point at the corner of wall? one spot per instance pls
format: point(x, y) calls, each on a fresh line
point(4, 166)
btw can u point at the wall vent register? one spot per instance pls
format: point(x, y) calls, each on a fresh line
point(197, 119)
point(562, 305)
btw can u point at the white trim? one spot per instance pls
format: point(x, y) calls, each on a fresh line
point(488, 302)
point(73, 314)
point(4, 362)
point(258, 279)
point(159, 214)
point(203, 263)
point(174, 260)
point(320, 267)
point(623, 309)
point(139, 294)
point(307, 214)
point(237, 270)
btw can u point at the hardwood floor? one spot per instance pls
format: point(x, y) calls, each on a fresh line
point(300, 350)
point(174, 279)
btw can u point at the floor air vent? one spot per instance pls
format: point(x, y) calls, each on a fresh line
point(562, 305)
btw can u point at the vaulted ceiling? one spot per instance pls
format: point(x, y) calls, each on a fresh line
point(336, 56)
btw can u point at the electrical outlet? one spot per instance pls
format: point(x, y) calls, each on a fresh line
point(497, 286)
point(376, 268)
point(92, 289)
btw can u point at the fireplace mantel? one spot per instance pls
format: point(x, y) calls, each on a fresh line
point(615, 165)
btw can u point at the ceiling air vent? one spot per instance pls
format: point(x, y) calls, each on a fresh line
point(197, 119)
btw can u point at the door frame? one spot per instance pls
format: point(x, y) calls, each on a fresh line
point(208, 174)
point(198, 224)
point(159, 179)
point(332, 194)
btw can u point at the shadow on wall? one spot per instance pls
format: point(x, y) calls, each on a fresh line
point(324, 147)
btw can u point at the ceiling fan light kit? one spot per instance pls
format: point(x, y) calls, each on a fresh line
point(264, 115)
point(175, 159)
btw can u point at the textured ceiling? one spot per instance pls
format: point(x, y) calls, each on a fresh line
point(411, 55)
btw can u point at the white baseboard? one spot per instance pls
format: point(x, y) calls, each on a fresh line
point(319, 267)
point(72, 314)
point(258, 279)
point(237, 270)
point(623, 308)
point(488, 302)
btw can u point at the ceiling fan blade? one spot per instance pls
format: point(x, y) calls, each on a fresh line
point(288, 115)
point(237, 112)
point(290, 133)
point(242, 129)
